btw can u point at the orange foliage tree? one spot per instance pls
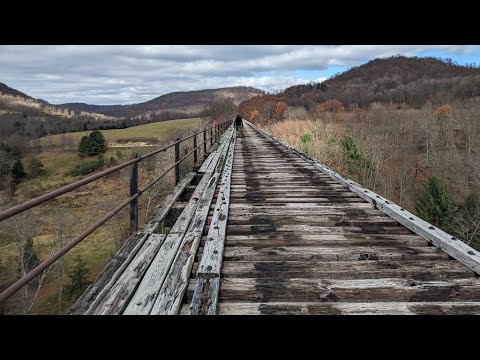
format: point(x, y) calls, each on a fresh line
point(280, 109)
point(254, 114)
point(332, 106)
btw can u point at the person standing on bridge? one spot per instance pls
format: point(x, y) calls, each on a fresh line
point(238, 122)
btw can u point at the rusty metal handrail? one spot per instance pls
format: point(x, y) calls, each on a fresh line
point(20, 283)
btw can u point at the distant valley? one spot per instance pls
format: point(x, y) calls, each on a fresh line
point(22, 116)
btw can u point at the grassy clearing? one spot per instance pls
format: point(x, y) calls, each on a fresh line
point(156, 130)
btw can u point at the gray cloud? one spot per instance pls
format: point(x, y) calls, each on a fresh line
point(126, 74)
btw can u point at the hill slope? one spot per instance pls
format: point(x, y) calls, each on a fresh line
point(188, 102)
point(4, 89)
point(399, 79)
point(25, 116)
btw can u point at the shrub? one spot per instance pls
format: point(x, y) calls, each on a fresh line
point(87, 167)
point(306, 138)
point(350, 148)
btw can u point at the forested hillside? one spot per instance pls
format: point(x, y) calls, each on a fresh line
point(174, 105)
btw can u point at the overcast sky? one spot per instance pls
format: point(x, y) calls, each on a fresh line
point(128, 74)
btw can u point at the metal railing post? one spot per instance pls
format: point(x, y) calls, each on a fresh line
point(177, 159)
point(211, 136)
point(195, 155)
point(204, 142)
point(134, 203)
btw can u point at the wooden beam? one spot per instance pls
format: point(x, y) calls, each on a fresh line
point(103, 283)
point(171, 293)
point(339, 290)
point(120, 293)
point(374, 308)
point(205, 297)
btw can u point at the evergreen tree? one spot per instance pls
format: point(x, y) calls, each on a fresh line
point(93, 144)
point(78, 277)
point(84, 146)
point(36, 168)
point(433, 203)
point(18, 172)
point(99, 144)
point(29, 258)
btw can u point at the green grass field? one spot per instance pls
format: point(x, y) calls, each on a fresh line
point(153, 130)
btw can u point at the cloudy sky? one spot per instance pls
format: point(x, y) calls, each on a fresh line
point(128, 74)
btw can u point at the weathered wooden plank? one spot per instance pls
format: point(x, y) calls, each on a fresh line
point(299, 253)
point(213, 157)
point(360, 269)
point(297, 197)
point(147, 292)
point(312, 212)
point(171, 293)
point(207, 287)
point(265, 242)
point(291, 236)
point(300, 191)
point(119, 295)
point(444, 241)
point(292, 200)
point(242, 188)
point(102, 284)
point(361, 290)
point(167, 204)
point(375, 308)
point(206, 293)
point(292, 206)
point(312, 220)
point(312, 229)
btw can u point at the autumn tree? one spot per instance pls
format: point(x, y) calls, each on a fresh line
point(467, 220)
point(332, 106)
point(279, 110)
point(254, 114)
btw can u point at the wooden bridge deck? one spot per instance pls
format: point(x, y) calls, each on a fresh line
point(294, 241)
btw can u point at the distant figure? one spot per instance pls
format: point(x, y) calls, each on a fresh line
point(238, 122)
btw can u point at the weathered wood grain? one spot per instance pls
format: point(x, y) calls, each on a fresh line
point(332, 253)
point(167, 204)
point(346, 308)
point(313, 229)
point(102, 284)
point(120, 293)
point(359, 269)
point(171, 293)
point(206, 293)
point(361, 290)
